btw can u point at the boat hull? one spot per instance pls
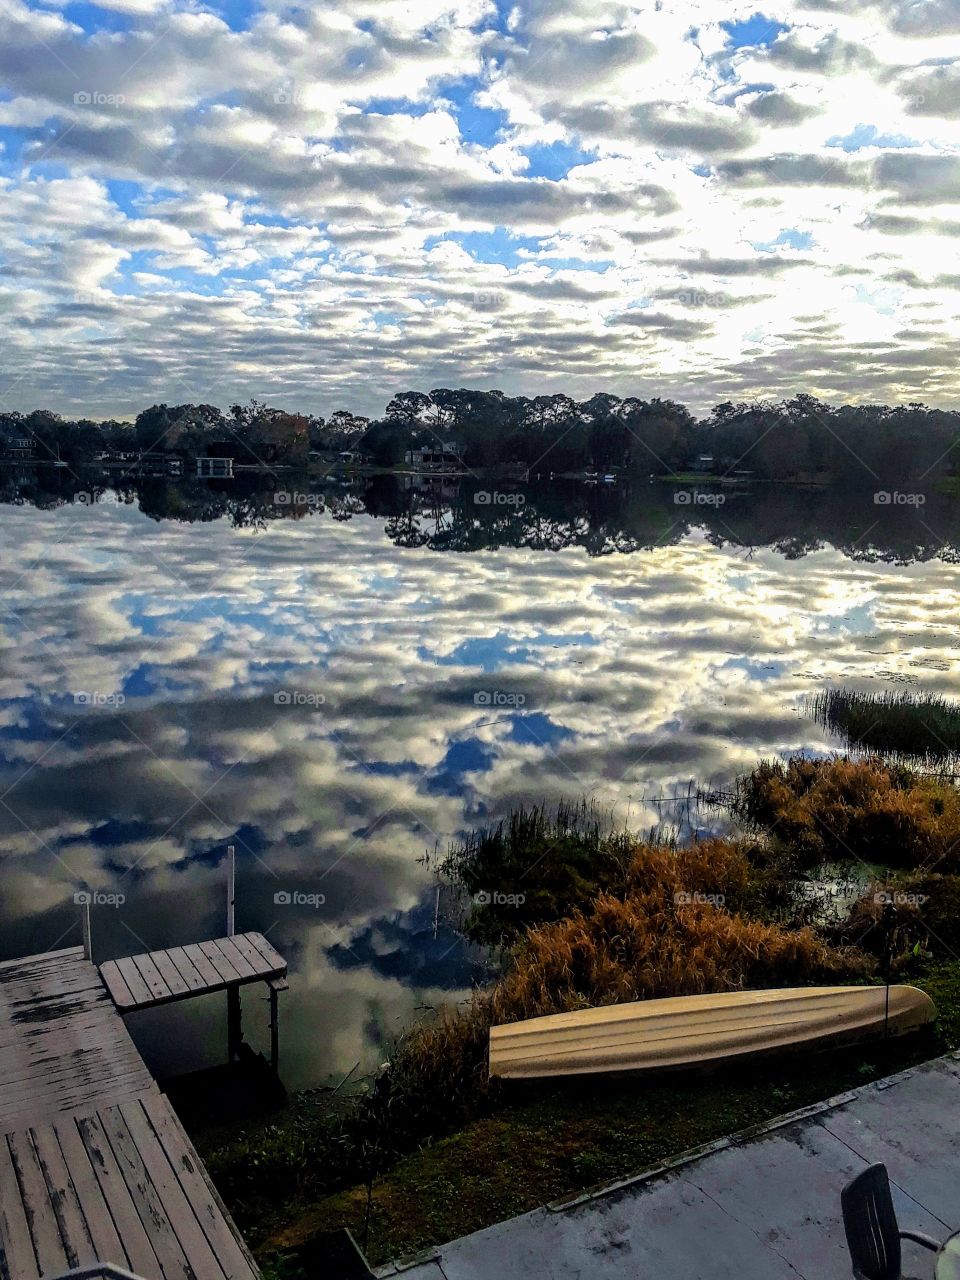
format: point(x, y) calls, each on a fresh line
point(703, 1031)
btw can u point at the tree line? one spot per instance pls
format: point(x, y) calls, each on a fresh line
point(796, 439)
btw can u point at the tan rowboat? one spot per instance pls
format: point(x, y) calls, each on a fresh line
point(689, 1031)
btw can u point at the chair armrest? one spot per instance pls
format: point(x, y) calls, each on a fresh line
point(918, 1237)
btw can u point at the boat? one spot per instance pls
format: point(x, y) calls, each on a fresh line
point(703, 1031)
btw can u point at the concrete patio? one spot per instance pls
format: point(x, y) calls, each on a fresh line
point(760, 1206)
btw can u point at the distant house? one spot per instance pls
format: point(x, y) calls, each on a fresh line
point(440, 458)
point(160, 464)
point(215, 468)
point(19, 448)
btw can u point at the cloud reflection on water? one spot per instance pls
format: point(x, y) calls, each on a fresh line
point(636, 672)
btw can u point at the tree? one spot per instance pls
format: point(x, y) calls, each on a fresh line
point(409, 407)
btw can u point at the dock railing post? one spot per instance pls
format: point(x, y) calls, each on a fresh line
point(87, 930)
point(231, 891)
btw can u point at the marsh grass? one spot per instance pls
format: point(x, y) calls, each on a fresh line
point(866, 810)
point(924, 726)
point(542, 862)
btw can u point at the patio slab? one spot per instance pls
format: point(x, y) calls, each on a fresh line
point(762, 1206)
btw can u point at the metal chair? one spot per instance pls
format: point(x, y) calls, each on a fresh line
point(873, 1236)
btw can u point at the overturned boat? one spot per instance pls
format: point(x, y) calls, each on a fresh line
point(704, 1031)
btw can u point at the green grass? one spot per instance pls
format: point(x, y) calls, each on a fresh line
point(543, 1144)
point(922, 725)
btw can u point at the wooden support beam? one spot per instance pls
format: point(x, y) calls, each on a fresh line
point(275, 986)
point(234, 1024)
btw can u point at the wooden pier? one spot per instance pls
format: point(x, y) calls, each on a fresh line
point(95, 1168)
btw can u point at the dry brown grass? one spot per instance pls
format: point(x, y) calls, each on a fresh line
point(640, 945)
point(862, 809)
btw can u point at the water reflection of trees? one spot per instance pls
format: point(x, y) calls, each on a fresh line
point(793, 520)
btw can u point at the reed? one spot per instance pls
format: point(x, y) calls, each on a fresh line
point(925, 726)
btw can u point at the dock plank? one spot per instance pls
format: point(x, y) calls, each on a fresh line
point(134, 980)
point(228, 974)
point(156, 1161)
point(271, 957)
point(203, 966)
point(140, 1252)
point(236, 957)
point(186, 968)
point(170, 974)
point(163, 1238)
point(61, 1193)
point(17, 1253)
point(147, 968)
point(234, 1257)
point(107, 1245)
point(63, 1045)
point(44, 1229)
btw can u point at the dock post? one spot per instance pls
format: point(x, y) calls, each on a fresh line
point(87, 930)
point(231, 891)
point(234, 1014)
point(274, 1028)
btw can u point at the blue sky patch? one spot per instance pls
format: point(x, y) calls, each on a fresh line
point(867, 135)
point(555, 160)
point(790, 238)
point(535, 729)
point(755, 32)
point(490, 246)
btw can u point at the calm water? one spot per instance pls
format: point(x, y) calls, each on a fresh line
point(337, 700)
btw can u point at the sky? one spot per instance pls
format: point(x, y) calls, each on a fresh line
point(322, 205)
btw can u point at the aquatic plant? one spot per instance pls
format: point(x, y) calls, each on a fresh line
point(537, 865)
point(926, 726)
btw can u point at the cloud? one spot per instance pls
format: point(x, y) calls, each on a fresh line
point(306, 203)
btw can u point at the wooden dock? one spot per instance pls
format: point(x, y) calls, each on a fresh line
point(160, 977)
point(95, 1167)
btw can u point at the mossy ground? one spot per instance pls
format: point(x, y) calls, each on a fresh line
point(544, 1143)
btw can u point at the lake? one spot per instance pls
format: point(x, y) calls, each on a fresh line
point(341, 682)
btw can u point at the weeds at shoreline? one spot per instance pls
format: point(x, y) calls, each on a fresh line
point(925, 726)
point(612, 917)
